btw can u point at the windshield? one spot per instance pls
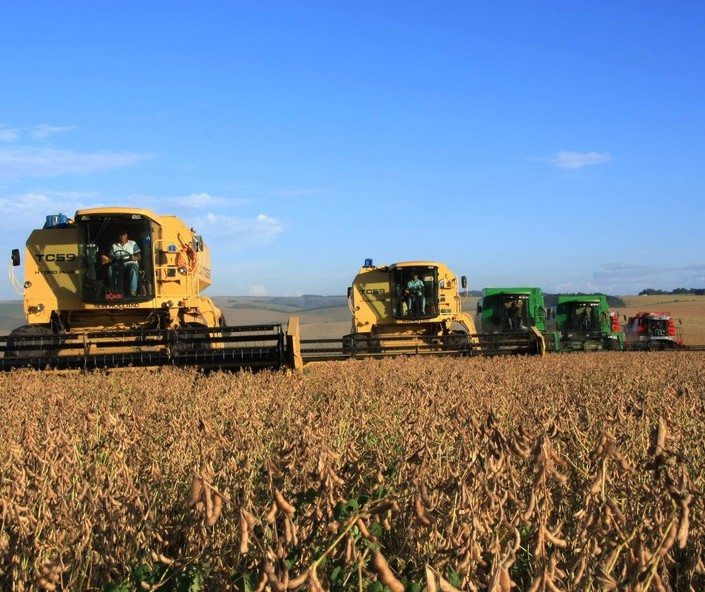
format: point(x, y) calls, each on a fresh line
point(116, 258)
point(658, 327)
point(415, 292)
point(512, 313)
point(585, 317)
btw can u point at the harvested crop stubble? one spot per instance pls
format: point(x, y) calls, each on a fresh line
point(576, 472)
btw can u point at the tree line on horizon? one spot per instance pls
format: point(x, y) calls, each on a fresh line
point(677, 291)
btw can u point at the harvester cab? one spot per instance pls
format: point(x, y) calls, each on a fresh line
point(513, 319)
point(123, 286)
point(653, 331)
point(585, 322)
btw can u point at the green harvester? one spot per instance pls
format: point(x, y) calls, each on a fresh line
point(583, 323)
point(513, 319)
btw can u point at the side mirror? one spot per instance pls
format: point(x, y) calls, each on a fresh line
point(15, 257)
point(463, 281)
point(349, 291)
point(197, 243)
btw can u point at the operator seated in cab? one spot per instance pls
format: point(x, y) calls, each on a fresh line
point(124, 256)
point(416, 303)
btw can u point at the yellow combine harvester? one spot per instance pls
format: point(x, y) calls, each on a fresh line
point(123, 287)
point(408, 308)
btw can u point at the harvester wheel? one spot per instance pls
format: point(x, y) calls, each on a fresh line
point(614, 345)
point(29, 335)
point(456, 341)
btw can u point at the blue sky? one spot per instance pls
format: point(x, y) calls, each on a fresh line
point(558, 144)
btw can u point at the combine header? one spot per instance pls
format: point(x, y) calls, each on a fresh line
point(584, 323)
point(122, 287)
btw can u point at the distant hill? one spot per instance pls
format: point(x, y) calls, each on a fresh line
point(11, 314)
point(331, 313)
point(677, 291)
point(284, 303)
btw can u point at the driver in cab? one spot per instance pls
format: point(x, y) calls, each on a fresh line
point(124, 256)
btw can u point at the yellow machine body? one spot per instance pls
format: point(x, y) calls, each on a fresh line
point(386, 311)
point(92, 300)
point(62, 268)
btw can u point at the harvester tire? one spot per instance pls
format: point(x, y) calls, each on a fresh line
point(456, 341)
point(613, 345)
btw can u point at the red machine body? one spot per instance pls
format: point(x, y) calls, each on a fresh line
point(653, 330)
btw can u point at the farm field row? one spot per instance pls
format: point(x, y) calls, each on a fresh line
point(579, 471)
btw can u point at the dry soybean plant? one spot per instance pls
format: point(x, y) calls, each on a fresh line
point(576, 472)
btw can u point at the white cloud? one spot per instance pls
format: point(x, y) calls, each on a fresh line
point(257, 290)
point(8, 134)
point(232, 230)
point(577, 160)
point(23, 211)
point(43, 131)
point(23, 203)
point(48, 162)
point(201, 200)
point(38, 132)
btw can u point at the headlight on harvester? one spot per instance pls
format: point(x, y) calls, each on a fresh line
point(167, 304)
point(27, 284)
point(36, 309)
point(182, 270)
